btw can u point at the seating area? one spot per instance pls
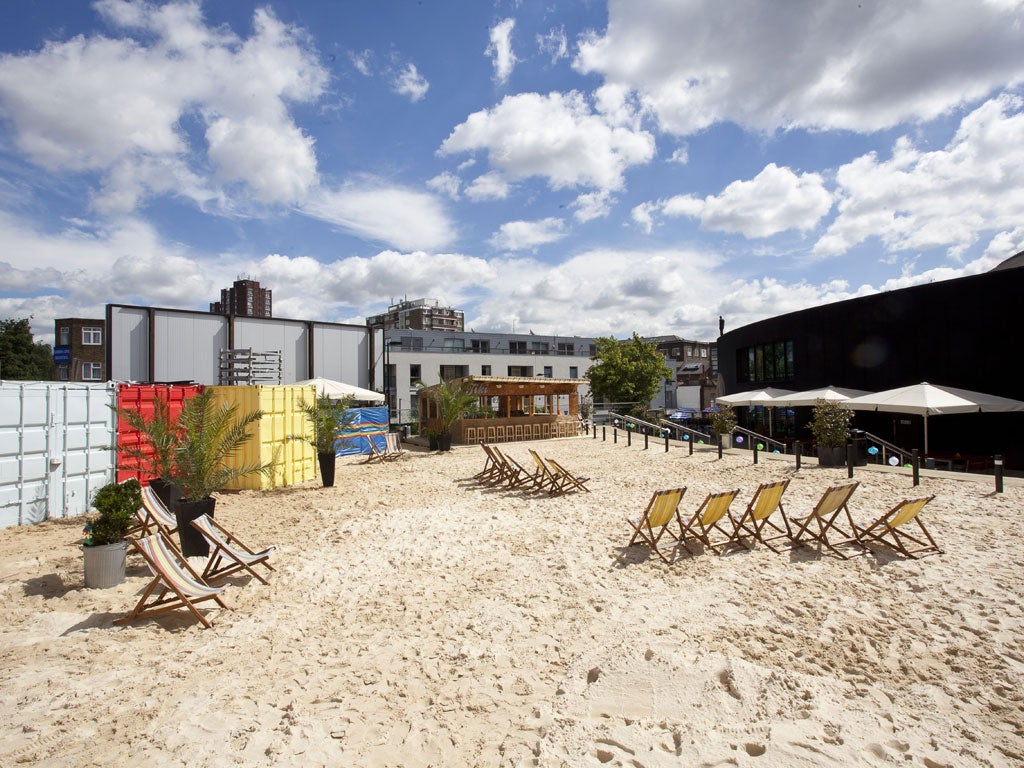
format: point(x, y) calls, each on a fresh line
point(828, 526)
point(547, 475)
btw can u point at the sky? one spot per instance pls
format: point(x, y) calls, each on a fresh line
point(562, 167)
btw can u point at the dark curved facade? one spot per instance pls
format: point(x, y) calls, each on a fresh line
point(960, 333)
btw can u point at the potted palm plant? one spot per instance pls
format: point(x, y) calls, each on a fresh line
point(104, 547)
point(453, 400)
point(154, 456)
point(830, 425)
point(208, 434)
point(329, 419)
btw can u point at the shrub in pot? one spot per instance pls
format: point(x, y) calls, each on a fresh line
point(830, 425)
point(328, 418)
point(723, 422)
point(208, 433)
point(104, 547)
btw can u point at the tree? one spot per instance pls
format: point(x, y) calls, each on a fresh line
point(21, 358)
point(631, 371)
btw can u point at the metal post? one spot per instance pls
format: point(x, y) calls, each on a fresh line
point(595, 431)
point(798, 452)
point(850, 454)
point(755, 453)
point(719, 446)
point(615, 435)
point(629, 436)
point(690, 441)
point(915, 464)
point(646, 436)
point(666, 442)
point(998, 468)
point(604, 433)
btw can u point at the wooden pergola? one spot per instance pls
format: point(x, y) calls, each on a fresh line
point(513, 408)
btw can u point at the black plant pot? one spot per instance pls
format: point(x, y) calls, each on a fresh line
point(831, 456)
point(166, 492)
point(444, 442)
point(192, 542)
point(433, 443)
point(326, 468)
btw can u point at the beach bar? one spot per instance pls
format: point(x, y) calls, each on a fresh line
point(512, 408)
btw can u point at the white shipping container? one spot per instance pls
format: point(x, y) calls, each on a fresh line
point(56, 448)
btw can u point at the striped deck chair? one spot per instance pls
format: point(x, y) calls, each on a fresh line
point(175, 584)
point(227, 554)
point(392, 446)
point(887, 529)
point(757, 517)
point(825, 517)
point(661, 510)
point(154, 517)
point(709, 515)
point(376, 454)
point(566, 480)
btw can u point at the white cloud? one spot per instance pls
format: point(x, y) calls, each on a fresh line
point(949, 197)
point(178, 71)
point(401, 217)
point(362, 61)
point(500, 49)
point(680, 155)
point(446, 183)
point(555, 136)
point(489, 186)
point(592, 205)
point(554, 44)
point(409, 82)
point(859, 66)
point(524, 235)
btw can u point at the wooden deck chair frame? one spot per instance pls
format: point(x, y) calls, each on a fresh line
point(826, 518)
point(889, 531)
point(509, 471)
point(543, 478)
point(757, 519)
point(393, 445)
point(490, 465)
point(516, 474)
point(175, 583)
point(707, 518)
point(379, 455)
point(154, 517)
point(228, 555)
point(662, 509)
point(566, 480)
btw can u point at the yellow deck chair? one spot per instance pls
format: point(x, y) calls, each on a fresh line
point(661, 510)
point(175, 584)
point(708, 517)
point(758, 516)
point(887, 529)
point(825, 517)
point(543, 478)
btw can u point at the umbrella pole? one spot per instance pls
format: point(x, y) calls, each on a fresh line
point(926, 433)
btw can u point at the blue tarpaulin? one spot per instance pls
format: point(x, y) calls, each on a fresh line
point(368, 424)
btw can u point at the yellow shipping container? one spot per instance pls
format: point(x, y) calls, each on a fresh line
point(270, 438)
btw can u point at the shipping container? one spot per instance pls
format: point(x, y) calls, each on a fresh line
point(140, 397)
point(56, 448)
point(276, 438)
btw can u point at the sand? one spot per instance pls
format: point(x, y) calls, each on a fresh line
point(417, 618)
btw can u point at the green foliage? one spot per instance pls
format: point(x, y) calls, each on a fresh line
point(830, 423)
point(116, 503)
point(160, 433)
point(630, 371)
point(22, 359)
point(208, 434)
point(454, 401)
point(723, 421)
point(329, 419)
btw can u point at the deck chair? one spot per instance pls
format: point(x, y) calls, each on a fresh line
point(825, 519)
point(508, 472)
point(661, 510)
point(708, 517)
point(227, 554)
point(154, 517)
point(543, 478)
point(887, 529)
point(515, 475)
point(377, 454)
point(566, 480)
point(393, 445)
point(175, 584)
point(756, 520)
point(490, 465)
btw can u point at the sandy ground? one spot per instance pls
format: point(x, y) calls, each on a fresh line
point(417, 618)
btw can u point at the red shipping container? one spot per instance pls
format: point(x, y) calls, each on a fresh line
point(140, 397)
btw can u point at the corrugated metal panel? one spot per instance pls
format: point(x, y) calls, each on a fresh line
point(56, 448)
point(140, 397)
point(128, 337)
point(187, 346)
point(341, 353)
point(289, 337)
point(295, 460)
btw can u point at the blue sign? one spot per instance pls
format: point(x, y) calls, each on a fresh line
point(62, 354)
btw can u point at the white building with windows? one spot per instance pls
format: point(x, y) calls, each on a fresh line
point(402, 359)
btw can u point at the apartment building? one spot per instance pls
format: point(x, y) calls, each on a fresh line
point(419, 314)
point(80, 349)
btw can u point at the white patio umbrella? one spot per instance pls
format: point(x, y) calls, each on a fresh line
point(765, 397)
point(926, 400)
point(812, 396)
point(340, 389)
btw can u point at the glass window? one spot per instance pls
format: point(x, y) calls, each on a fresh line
point(565, 348)
point(454, 345)
point(481, 346)
point(414, 373)
point(548, 372)
point(92, 336)
point(91, 372)
point(574, 372)
point(64, 337)
point(517, 347)
point(538, 348)
point(412, 343)
point(485, 370)
point(62, 371)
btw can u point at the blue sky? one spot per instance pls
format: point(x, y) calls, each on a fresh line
point(563, 167)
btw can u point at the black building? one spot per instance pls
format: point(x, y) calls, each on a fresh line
point(245, 298)
point(960, 333)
